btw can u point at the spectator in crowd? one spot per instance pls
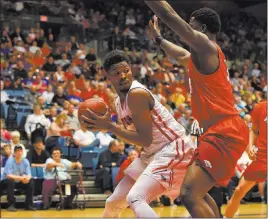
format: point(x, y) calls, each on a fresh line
point(37, 155)
point(185, 120)
point(104, 138)
point(15, 141)
point(91, 57)
point(55, 131)
point(48, 94)
point(72, 118)
point(31, 96)
point(84, 138)
point(53, 114)
point(20, 71)
point(53, 164)
point(16, 85)
point(6, 153)
point(63, 61)
point(5, 135)
point(4, 95)
point(34, 119)
point(107, 159)
point(59, 97)
point(132, 155)
point(17, 174)
point(50, 66)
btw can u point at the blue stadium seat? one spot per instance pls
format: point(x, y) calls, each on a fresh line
point(34, 172)
point(96, 160)
point(37, 172)
point(87, 159)
point(115, 171)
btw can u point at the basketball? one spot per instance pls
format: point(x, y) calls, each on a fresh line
point(95, 105)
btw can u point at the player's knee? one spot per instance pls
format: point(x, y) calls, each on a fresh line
point(185, 195)
point(133, 199)
point(239, 192)
point(112, 201)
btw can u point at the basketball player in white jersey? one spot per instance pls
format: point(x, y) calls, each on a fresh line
point(166, 149)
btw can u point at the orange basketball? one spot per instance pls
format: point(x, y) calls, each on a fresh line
point(95, 105)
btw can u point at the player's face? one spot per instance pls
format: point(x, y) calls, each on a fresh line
point(120, 76)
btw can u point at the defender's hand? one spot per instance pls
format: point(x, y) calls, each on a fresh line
point(154, 28)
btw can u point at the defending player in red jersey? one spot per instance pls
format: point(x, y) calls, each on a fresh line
point(225, 135)
point(257, 170)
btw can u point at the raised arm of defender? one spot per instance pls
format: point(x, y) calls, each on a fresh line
point(176, 52)
point(198, 41)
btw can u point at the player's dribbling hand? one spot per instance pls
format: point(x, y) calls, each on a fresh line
point(251, 153)
point(154, 28)
point(94, 122)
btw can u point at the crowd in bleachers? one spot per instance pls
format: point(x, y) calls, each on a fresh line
point(43, 81)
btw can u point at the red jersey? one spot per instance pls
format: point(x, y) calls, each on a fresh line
point(259, 118)
point(211, 95)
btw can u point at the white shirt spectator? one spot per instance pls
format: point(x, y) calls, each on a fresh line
point(33, 49)
point(255, 72)
point(4, 96)
point(144, 71)
point(130, 19)
point(48, 96)
point(33, 120)
point(20, 49)
point(85, 138)
point(104, 138)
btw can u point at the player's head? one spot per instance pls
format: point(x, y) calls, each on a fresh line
point(205, 20)
point(117, 67)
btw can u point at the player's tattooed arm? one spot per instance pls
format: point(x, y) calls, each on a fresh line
point(198, 41)
point(176, 52)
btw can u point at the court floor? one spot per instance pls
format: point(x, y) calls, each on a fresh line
point(246, 211)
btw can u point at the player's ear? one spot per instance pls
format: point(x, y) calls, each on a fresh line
point(203, 28)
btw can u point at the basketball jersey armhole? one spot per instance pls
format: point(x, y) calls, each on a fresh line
point(154, 99)
point(191, 64)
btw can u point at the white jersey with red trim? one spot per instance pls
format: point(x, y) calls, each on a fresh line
point(165, 128)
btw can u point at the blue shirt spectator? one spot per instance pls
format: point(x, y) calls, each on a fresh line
point(18, 169)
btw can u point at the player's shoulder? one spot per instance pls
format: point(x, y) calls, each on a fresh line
point(261, 105)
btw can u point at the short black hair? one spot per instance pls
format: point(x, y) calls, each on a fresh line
point(209, 17)
point(55, 149)
point(114, 57)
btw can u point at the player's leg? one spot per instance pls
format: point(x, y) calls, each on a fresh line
point(116, 203)
point(212, 203)
point(196, 184)
point(261, 186)
point(140, 195)
point(241, 190)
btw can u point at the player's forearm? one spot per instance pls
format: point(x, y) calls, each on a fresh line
point(130, 137)
point(176, 52)
point(167, 14)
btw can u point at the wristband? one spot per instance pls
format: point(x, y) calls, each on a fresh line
point(158, 40)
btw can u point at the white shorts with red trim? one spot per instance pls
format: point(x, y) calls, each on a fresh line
point(167, 166)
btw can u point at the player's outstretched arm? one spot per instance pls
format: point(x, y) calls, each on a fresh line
point(198, 41)
point(176, 52)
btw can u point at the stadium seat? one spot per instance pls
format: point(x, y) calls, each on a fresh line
point(115, 171)
point(87, 159)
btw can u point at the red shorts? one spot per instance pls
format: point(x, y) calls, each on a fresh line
point(220, 147)
point(256, 171)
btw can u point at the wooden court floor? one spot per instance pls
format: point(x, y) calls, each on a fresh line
point(251, 210)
